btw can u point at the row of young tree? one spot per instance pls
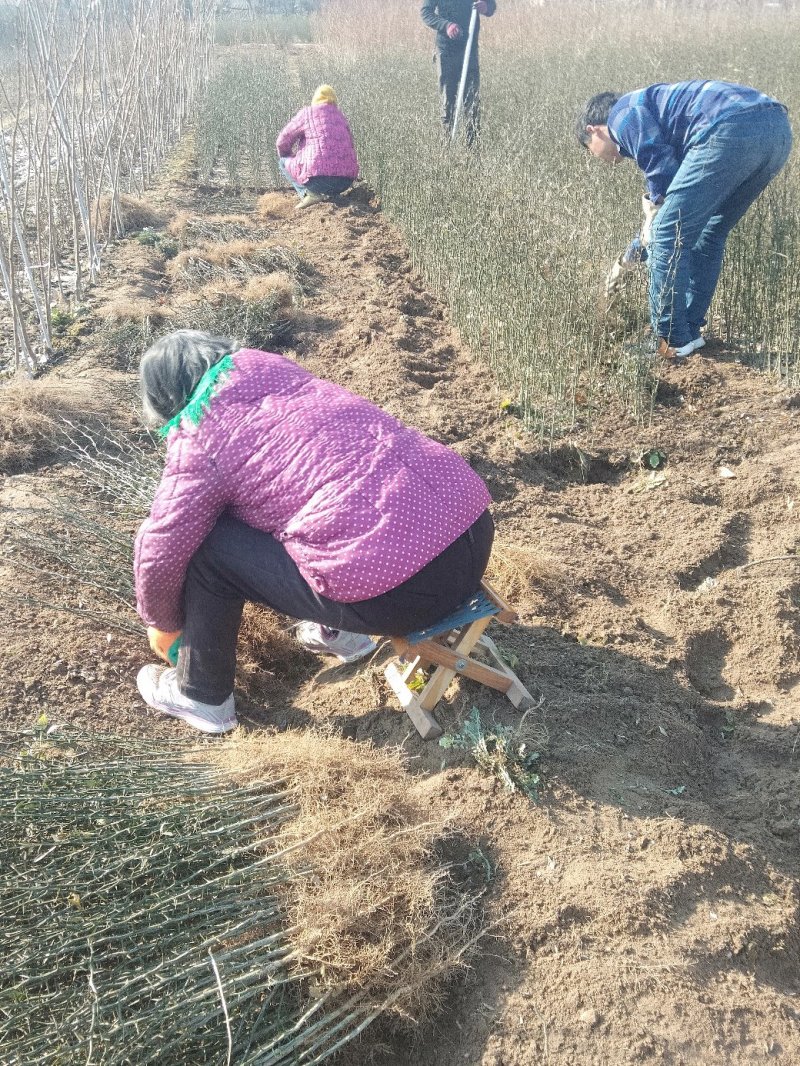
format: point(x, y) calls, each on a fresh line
point(93, 93)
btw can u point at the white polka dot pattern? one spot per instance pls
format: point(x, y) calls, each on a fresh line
point(325, 144)
point(360, 501)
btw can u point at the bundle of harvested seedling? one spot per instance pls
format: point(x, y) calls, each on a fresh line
point(231, 259)
point(191, 230)
point(260, 312)
point(260, 902)
point(32, 410)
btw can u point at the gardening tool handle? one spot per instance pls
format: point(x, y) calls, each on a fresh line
point(473, 21)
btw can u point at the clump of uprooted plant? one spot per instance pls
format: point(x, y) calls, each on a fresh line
point(263, 901)
point(227, 279)
point(31, 412)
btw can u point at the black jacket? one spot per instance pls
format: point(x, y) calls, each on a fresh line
point(438, 14)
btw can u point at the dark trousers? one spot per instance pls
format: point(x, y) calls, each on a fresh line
point(236, 564)
point(322, 186)
point(328, 186)
point(451, 63)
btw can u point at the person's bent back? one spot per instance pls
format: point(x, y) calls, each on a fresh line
point(289, 491)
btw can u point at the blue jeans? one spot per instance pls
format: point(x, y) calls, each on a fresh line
point(714, 186)
point(298, 188)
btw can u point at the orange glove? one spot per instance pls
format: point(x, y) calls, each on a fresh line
point(165, 645)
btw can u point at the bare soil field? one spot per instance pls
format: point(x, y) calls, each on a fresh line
point(646, 908)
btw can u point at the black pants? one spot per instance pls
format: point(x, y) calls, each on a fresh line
point(236, 564)
point(451, 62)
point(328, 186)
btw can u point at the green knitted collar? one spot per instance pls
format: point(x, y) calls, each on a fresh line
point(198, 403)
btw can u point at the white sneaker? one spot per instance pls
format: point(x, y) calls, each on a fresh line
point(158, 686)
point(345, 646)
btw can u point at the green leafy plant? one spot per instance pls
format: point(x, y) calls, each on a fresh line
point(61, 318)
point(500, 751)
point(650, 458)
point(151, 238)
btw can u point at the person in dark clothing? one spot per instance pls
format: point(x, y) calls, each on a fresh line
point(450, 19)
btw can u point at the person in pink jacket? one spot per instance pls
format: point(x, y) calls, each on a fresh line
point(286, 490)
point(316, 151)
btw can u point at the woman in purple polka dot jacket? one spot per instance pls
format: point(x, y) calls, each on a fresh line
point(283, 489)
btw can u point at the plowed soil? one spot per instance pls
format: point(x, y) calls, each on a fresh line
point(647, 906)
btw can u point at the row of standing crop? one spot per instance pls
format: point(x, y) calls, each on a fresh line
point(518, 235)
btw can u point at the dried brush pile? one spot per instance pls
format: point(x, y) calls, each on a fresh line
point(31, 411)
point(260, 903)
point(239, 259)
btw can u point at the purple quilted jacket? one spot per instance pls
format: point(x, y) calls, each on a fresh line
point(324, 145)
point(360, 501)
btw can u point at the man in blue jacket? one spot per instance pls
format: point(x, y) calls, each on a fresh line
point(450, 19)
point(707, 149)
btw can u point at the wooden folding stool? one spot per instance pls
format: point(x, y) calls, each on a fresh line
point(447, 646)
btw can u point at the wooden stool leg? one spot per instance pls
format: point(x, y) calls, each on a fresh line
point(442, 675)
point(424, 722)
point(516, 692)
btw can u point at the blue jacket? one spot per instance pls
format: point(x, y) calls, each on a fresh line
point(658, 125)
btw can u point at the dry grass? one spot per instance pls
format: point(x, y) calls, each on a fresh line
point(31, 413)
point(133, 309)
point(228, 253)
point(377, 909)
point(128, 326)
point(237, 258)
point(191, 229)
point(134, 214)
point(277, 287)
point(269, 654)
point(517, 571)
point(178, 225)
point(274, 205)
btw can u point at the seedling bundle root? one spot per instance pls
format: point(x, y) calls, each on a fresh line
point(260, 902)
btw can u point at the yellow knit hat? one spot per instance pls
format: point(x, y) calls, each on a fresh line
point(324, 95)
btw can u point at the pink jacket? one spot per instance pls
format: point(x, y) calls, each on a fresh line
point(324, 145)
point(360, 501)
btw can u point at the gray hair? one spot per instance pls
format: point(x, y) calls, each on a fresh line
point(171, 368)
